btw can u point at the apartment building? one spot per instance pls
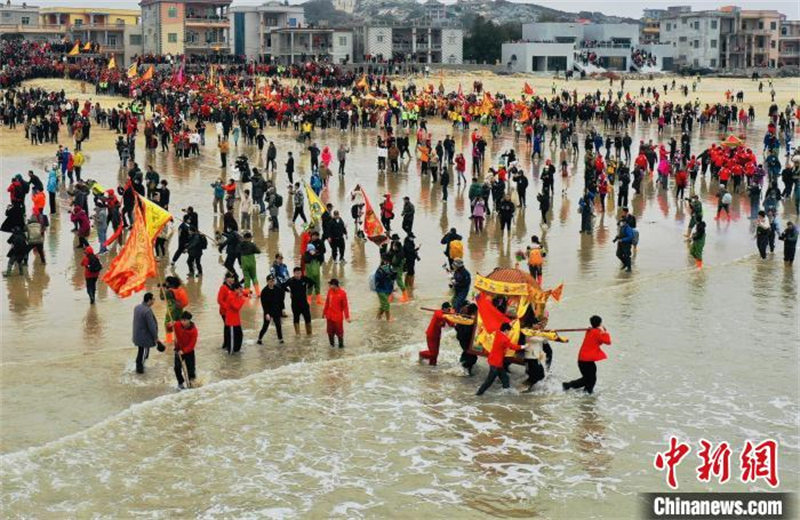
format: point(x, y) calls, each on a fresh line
point(22, 20)
point(185, 26)
point(113, 29)
point(411, 44)
point(650, 30)
point(252, 27)
point(789, 44)
point(725, 38)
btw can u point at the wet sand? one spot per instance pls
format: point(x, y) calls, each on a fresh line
point(697, 353)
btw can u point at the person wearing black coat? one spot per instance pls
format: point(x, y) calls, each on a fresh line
point(272, 303)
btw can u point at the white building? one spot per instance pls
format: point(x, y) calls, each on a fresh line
point(412, 44)
point(556, 47)
point(253, 26)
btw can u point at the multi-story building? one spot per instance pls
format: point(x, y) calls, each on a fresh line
point(348, 6)
point(554, 47)
point(112, 29)
point(413, 44)
point(301, 44)
point(435, 11)
point(755, 44)
point(253, 26)
point(726, 38)
point(650, 29)
point(185, 26)
point(789, 45)
point(22, 20)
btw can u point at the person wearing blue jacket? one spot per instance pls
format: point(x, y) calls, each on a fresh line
point(384, 287)
point(624, 244)
point(52, 188)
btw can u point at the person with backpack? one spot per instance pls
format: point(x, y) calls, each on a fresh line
point(91, 271)
point(536, 254)
point(274, 201)
point(195, 247)
point(34, 232)
point(453, 247)
point(383, 285)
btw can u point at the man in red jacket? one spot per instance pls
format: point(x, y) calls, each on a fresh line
point(222, 296)
point(336, 310)
point(590, 353)
point(497, 358)
point(233, 320)
point(185, 341)
point(433, 334)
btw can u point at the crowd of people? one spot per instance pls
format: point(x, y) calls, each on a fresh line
point(172, 111)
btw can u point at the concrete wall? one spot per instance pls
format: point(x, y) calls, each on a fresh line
point(548, 31)
point(537, 57)
point(452, 46)
point(341, 52)
point(246, 24)
point(607, 31)
point(13, 15)
point(707, 52)
point(378, 41)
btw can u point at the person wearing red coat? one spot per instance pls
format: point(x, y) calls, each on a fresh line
point(589, 354)
point(336, 310)
point(185, 342)
point(222, 295)
point(433, 335)
point(497, 358)
point(234, 300)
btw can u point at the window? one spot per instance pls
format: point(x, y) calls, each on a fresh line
point(172, 37)
point(713, 44)
point(172, 12)
point(342, 41)
point(772, 43)
point(760, 25)
point(292, 22)
point(713, 63)
point(669, 26)
point(713, 24)
point(379, 39)
point(271, 21)
point(136, 39)
point(697, 44)
point(683, 21)
point(773, 26)
point(451, 40)
point(696, 26)
point(682, 39)
point(25, 20)
point(111, 41)
point(696, 62)
point(78, 22)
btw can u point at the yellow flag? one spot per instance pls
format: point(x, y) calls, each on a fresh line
point(148, 74)
point(88, 46)
point(112, 63)
point(75, 50)
point(155, 217)
point(315, 206)
point(362, 83)
point(133, 70)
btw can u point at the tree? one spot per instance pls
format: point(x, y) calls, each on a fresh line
point(484, 41)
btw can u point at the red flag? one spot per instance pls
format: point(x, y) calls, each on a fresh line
point(135, 262)
point(556, 293)
point(373, 228)
point(490, 316)
point(528, 90)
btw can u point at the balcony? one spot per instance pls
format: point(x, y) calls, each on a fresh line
point(219, 46)
point(33, 29)
point(207, 22)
